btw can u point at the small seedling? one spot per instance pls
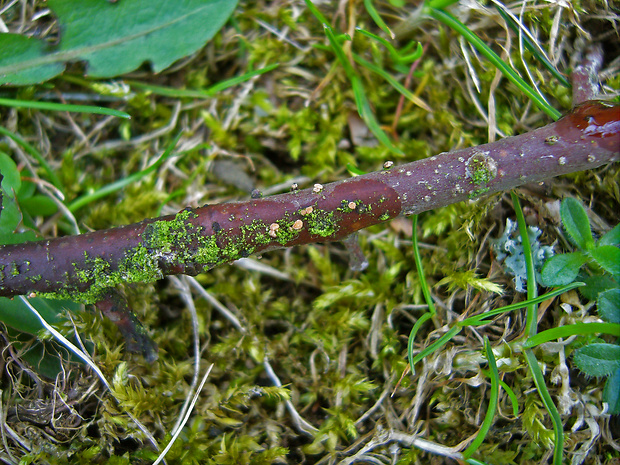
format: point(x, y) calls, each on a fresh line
point(602, 256)
point(602, 260)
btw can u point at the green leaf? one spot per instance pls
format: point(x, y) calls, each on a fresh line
point(9, 222)
point(124, 35)
point(14, 313)
point(595, 285)
point(611, 237)
point(598, 359)
point(17, 52)
point(608, 257)
point(38, 205)
point(11, 180)
point(562, 269)
point(609, 305)
point(576, 223)
point(611, 393)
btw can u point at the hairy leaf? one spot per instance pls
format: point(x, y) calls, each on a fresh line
point(598, 359)
point(576, 223)
point(595, 285)
point(611, 237)
point(611, 393)
point(11, 180)
point(9, 222)
point(608, 257)
point(560, 270)
point(609, 305)
point(24, 55)
point(123, 36)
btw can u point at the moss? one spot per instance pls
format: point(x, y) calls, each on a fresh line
point(14, 269)
point(337, 339)
point(162, 235)
point(481, 169)
point(321, 223)
point(477, 193)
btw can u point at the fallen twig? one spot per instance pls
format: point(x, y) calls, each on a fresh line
point(84, 267)
point(87, 267)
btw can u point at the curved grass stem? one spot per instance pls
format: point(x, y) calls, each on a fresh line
point(493, 397)
point(530, 331)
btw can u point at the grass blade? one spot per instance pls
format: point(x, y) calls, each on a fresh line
point(52, 106)
point(525, 35)
point(372, 11)
point(361, 100)
point(317, 14)
point(493, 396)
point(478, 319)
point(532, 288)
point(396, 56)
point(204, 93)
point(393, 82)
point(440, 3)
point(35, 153)
point(530, 331)
point(572, 330)
point(539, 381)
point(442, 341)
point(512, 396)
point(425, 291)
point(506, 70)
point(107, 190)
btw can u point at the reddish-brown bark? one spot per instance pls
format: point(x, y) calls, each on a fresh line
point(205, 237)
